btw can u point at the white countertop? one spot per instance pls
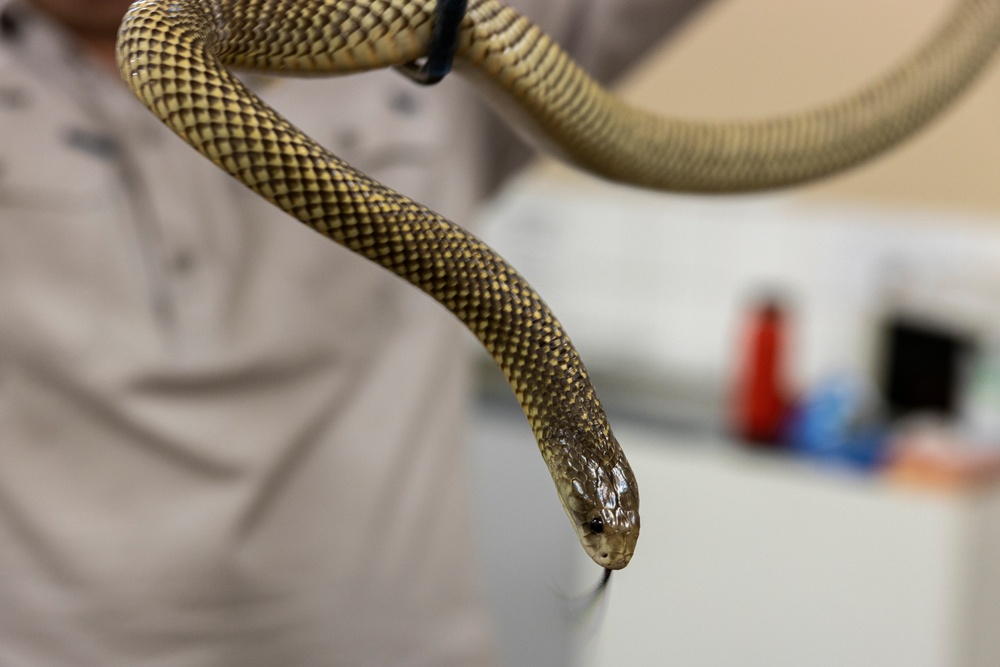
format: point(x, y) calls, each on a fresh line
point(744, 559)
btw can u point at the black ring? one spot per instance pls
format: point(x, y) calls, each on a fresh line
point(448, 15)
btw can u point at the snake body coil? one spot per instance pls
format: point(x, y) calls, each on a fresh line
point(174, 54)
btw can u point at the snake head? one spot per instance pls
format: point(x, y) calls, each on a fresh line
point(603, 504)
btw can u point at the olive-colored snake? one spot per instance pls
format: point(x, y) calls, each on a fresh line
point(174, 54)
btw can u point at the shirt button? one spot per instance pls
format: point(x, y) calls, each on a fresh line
point(404, 103)
point(184, 262)
point(346, 140)
point(13, 98)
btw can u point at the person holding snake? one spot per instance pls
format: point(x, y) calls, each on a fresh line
point(223, 440)
point(226, 383)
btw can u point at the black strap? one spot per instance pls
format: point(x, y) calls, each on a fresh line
point(448, 15)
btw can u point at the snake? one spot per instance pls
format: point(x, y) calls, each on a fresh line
point(178, 57)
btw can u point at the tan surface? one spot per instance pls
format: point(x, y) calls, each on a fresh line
point(749, 58)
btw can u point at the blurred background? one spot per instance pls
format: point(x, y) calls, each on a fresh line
point(807, 383)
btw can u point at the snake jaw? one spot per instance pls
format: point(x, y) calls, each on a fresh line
point(612, 549)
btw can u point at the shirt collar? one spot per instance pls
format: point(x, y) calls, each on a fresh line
point(46, 49)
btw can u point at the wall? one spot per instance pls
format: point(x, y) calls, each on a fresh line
point(752, 58)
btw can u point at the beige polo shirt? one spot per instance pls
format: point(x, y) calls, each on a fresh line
point(225, 440)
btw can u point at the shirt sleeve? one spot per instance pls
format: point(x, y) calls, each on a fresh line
point(606, 37)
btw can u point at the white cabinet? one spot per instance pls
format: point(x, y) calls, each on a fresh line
point(750, 560)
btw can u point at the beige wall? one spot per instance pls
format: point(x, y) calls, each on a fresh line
point(745, 58)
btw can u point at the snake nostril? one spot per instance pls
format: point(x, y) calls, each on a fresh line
point(604, 556)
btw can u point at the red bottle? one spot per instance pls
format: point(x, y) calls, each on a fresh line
point(761, 398)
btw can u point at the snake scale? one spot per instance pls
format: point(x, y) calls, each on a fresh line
point(176, 55)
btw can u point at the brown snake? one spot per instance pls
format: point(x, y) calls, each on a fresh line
point(174, 54)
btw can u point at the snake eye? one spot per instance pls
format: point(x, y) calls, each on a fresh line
point(597, 525)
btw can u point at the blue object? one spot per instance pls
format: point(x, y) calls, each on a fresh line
point(836, 423)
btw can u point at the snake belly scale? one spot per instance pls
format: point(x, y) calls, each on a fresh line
point(174, 54)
